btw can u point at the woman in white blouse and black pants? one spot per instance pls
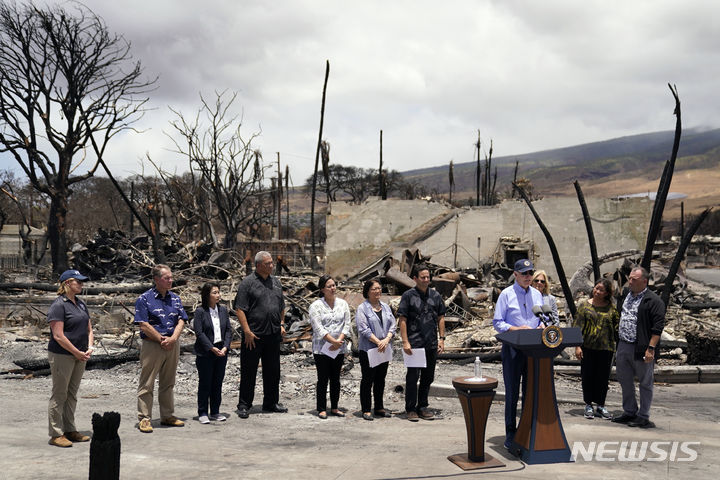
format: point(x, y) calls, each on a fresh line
point(213, 334)
point(330, 320)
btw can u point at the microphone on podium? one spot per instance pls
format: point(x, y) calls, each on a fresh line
point(539, 311)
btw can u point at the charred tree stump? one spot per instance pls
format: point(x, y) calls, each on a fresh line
point(553, 250)
point(105, 447)
point(680, 254)
point(588, 227)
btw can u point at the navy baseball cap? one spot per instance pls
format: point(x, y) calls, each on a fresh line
point(68, 274)
point(523, 265)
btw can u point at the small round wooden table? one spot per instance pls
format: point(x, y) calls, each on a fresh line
point(475, 396)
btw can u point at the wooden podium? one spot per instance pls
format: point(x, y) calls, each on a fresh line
point(540, 437)
point(475, 397)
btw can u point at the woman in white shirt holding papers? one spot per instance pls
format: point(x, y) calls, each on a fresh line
point(376, 328)
point(330, 320)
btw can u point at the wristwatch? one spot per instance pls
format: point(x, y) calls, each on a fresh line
point(442, 337)
point(651, 348)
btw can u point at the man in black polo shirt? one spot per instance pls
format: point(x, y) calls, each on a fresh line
point(260, 306)
point(421, 315)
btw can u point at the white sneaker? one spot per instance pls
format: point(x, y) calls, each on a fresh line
point(602, 412)
point(589, 413)
point(219, 417)
point(203, 419)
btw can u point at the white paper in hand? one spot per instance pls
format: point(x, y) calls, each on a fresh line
point(376, 357)
point(416, 360)
point(325, 350)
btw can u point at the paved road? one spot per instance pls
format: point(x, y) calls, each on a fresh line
point(299, 445)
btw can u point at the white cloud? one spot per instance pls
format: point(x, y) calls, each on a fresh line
point(529, 75)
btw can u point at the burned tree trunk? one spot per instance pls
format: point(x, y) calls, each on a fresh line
point(664, 187)
point(317, 161)
point(553, 250)
point(588, 227)
point(667, 288)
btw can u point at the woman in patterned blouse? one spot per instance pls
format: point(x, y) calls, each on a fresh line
point(598, 319)
point(330, 320)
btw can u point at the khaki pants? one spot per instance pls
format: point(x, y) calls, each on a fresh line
point(156, 362)
point(66, 371)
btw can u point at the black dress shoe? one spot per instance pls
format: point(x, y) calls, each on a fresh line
point(383, 413)
point(277, 408)
point(242, 412)
point(641, 423)
point(624, 418)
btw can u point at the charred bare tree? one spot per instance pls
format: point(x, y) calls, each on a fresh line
point(664, 186)
point(680, 254)
point(64, 77)
point(32, 256)
point(682, 219)
point(287, 201)
point(451, 180)
point(325, 158)
point(489, 191)
point(382, 178)
point(589, 229)
point(279, 198)
point(517, 162)
point(553, 250)
point(478, 172)
point(225, 169)
point(317, 159)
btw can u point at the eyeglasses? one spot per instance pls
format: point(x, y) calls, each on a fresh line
point(528, 273)
point(537, 280)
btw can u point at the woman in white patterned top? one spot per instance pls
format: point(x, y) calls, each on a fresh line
point(330, 320)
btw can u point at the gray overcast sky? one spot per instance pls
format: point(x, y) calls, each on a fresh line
point(531, 75)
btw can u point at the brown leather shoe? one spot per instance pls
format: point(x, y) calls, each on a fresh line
point(145, 426)
point(60, 441)
point(426, 414)
point(76, 437)
point(172, 422)
point(412, 416)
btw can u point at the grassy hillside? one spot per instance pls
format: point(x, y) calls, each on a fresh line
point(638, 158)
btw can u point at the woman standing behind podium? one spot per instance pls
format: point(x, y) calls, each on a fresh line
point(213, 334)
point(598, 320)
point(542, 283)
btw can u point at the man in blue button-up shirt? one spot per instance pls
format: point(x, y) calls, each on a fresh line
point(161, 317)
point(513, 311)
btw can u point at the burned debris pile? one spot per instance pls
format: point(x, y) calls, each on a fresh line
point(692, 333)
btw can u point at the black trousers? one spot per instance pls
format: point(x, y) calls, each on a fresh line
point(514, 363)
point(373, 379)
point(328, 369)
point(211, 372)
point(417, 398)
point(267, 350)
point(595, 373)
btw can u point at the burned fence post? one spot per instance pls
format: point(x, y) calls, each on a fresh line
point(664, 186)
point(680, 254)
point(590, 234)
point(105, 447)
point(553, 250)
